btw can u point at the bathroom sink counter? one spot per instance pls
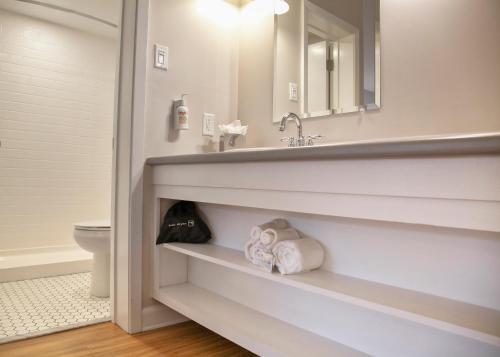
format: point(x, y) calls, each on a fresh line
point(410, 228)
point(482, 143)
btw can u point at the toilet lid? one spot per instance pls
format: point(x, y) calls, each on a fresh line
point(103, 225)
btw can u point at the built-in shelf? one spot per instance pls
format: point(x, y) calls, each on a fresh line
point(470, 321)
point(260, 333)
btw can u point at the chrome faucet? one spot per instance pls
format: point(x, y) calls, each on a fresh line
point(300, 139)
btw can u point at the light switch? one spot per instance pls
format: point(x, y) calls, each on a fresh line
point(161, 57)
point(208, 128)
point(293, 92)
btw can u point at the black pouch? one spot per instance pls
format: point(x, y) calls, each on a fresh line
point(183, 224)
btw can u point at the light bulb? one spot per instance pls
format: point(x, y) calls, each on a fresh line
point(281, 7)
point(220, 12)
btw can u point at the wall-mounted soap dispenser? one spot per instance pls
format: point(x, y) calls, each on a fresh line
point(181, 114)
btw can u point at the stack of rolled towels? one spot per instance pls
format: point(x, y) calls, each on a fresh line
point(277, 244)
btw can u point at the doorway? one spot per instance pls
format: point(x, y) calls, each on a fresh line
point(58, 63)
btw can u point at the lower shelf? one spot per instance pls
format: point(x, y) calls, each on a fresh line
point(470, 321)
point(257, 332)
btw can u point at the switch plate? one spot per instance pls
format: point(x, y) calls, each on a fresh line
point(161, 57)
point(293, 92)
point(208, 127)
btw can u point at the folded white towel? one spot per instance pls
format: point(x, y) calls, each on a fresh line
point(249, 248)
point(262, 257)
point(278, 223)
point(270, 237)
point(296, 256)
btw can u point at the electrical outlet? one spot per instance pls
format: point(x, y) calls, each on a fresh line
point(208, 126)
point(161, 57)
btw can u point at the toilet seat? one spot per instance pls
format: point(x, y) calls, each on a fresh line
point(103, 225)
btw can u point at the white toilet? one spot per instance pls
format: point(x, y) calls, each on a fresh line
point(94, 236)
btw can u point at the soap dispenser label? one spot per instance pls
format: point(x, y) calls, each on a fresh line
point(183, 117)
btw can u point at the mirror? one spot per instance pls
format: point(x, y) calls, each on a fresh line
point(327, 57)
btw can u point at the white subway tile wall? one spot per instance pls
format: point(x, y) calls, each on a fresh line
point(56, 124)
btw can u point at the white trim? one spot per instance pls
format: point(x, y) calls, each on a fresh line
point(204, 282)
point(260, 333)
point(462, 214)
point(114, 168)
point(467, 320)
point(164, 324)
point(454, 192)
point(304, 60)
point(137, 168)
point(126, 276)
point(319, 11)
point(155, 313)
point(307, 7)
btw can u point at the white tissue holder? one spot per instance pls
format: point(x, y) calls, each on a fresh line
point(231, 140)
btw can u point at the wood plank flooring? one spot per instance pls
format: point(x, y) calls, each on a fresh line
point(107, 339)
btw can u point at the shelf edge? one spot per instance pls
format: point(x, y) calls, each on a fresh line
point(392, 311)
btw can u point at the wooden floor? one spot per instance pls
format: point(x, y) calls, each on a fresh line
point(106, 339)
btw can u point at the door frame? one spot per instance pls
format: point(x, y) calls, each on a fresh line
point(128, 163)
point(311, 9)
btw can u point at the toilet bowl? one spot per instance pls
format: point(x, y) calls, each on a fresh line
point(94, 237)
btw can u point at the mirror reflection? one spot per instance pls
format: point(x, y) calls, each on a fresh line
point(327, 57)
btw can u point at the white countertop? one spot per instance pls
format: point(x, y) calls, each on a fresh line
point(469, 144)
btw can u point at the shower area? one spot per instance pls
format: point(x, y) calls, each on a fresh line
point(58, 60)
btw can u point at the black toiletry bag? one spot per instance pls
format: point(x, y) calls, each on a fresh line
point(183, 224)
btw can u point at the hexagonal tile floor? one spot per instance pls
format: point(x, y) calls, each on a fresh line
point(40, 306)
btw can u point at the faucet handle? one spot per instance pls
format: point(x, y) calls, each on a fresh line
point(288, 139)
point(311, 138)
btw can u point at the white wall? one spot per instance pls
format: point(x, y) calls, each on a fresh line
point(317, 80)
point(288, 61)
point(437, 78)
point(255, 77)
point(420, 94)
point(202, 62)
point(440, 75)
point(347, 73)
point(56, 120)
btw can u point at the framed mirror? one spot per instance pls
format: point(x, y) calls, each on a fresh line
point(327, 57)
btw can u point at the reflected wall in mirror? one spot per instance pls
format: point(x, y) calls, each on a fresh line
point(327, 57)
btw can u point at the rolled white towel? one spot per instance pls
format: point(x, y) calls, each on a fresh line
point(262, 257)
point(270, 237)
point(278, 223)
point(296, 256)
point(249, 248)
